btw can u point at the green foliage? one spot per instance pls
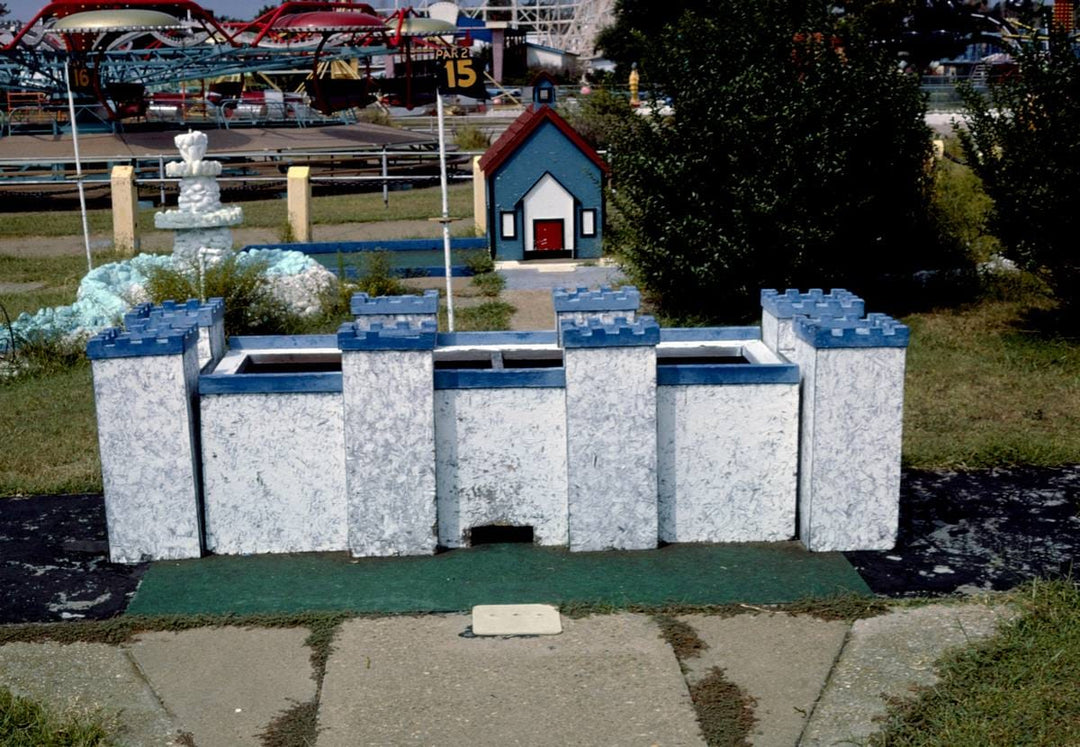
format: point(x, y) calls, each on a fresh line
point(598, 116)
point(471, 137)
point(1019, 687)
point(961, 211)
point(490, 316)
point(797, 156)
point(1019, 143)
point(489, 284)
point(480, 262)
point(250, 307)
point(285, 233)
point(26, 723)
point(375, 116)
point(376, 276)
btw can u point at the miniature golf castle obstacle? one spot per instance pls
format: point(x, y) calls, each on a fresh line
point(608, 432)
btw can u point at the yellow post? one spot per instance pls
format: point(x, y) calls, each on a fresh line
point(479, 198)
point(125, 209)
point(299, 202)
point(634, 83)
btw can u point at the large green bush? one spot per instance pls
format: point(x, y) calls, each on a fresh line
point(797, 156)
point(1022, 142)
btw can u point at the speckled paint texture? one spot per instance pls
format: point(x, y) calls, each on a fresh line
point(728, 457)
point(777, 334)
point(273, 473)
point(611, 447)
point(365, 321)
point(849, 471)
point(390, 451)
point(501, 459)
point(146, 409)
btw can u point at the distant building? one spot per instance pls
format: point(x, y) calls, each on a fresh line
point(543, 190)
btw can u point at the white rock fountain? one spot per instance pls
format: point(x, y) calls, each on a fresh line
point(201, 222)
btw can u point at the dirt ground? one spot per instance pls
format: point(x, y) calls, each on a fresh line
point(533, 307)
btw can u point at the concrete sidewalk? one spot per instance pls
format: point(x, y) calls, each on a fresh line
point(605, 680)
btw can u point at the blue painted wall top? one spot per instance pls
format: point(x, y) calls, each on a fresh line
point(164, 340)
point(619, 334)
point(875, 331)
point(626, 298)
point(204, 313)
point(363, 305)
point(815, 302)
point(401, 336)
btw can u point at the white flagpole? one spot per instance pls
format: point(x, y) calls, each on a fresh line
point(78, 166)
point(445, 212)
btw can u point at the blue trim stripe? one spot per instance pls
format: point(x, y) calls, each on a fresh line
point(115, 343)
point(398, 245)
point(709, 334)
point(269, 383)
point(282, 342)
point(517, 378)
point(728, 374)
point(447, 339)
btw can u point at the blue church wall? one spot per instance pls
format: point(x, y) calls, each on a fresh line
point(545, 151)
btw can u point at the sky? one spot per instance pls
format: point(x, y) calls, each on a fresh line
point(24, 10)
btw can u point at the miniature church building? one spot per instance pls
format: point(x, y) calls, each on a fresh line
point(543, 190)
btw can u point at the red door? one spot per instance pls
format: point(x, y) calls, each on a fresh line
point(548, 235)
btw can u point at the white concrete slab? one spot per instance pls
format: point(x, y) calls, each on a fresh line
point(607, 680)
point(225, 685)
point(516, 619)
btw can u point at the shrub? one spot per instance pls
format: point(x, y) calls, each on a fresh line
point(489, 284)
point(250, 307)
point(376, 277)
point(471, 137)
point(797, 156)
point(1019, 144)
point(480, 262)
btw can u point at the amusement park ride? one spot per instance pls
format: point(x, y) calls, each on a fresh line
point(114, 51)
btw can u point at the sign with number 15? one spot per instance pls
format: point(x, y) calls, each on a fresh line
point(458, 73)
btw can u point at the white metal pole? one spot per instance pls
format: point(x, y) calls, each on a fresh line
point(445, 213)
point(78, 168)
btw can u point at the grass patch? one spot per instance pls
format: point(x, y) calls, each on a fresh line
point(848, 607)
point(50, 429)
point(365, 207)
point(986, 387)
point(59, 277)
point(27, 723)
point(1019, 687)
point(296, 727)
point(725, 712)
point(682, 638)
point(490, 316)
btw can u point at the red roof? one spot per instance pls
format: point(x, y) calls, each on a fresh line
point(525, 125)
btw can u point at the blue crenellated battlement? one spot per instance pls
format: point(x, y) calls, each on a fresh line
point(874, 331)
point(203, 313)
point(364, 305)
point(153, 340)
point(399, 336)
point(837, 303)
point(586, 300)
point(620, 333)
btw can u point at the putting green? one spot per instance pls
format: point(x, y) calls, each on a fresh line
point(494, 574)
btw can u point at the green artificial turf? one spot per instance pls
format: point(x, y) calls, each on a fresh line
point(494, 574)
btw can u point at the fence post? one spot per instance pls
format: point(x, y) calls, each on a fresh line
point(479, 198)
point(299, 202)
point(125, 209)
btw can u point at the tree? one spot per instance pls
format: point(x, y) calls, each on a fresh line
point(797, 155)
point(1021, 141)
